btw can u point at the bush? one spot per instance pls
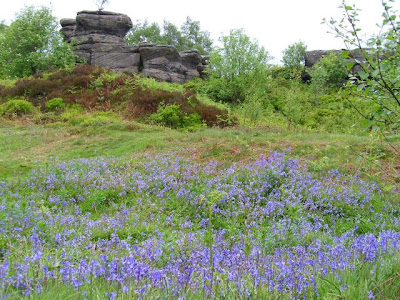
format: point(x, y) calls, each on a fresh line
point(55, 104)
point(172, 116)
point(331, 70)
point(16, 107)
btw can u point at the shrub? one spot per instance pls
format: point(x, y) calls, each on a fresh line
point(16, 107)
point(172, 116)
point(55, 104)
point(331, 70)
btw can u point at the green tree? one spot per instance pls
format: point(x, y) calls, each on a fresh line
point(32, 43)
point(294, 60)
point(294, 55)
point(172, 35)
point(236, 67)
point(379, 76)
point(195, 38)
point(144, 32)
point(3, 27)
point(188, 36)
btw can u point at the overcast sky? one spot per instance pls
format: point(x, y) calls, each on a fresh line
point(274, 23)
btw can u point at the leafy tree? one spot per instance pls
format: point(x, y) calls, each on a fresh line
point(379, 77)
point(32, 44)
point(144, 32)
point(294, 60)
point(294, 55)
point(188, 36)
point(3, 27)
point(172, 35)
point(236, 66)
point(195, 37)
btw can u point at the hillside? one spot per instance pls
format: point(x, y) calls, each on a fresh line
point(105, 194)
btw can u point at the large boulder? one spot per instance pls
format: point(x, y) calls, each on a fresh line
point(162, 63)
point(68, 28)
point(102, 22)
point(191, 59)
point(98, 36)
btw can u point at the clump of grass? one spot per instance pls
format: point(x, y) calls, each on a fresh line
point(16, 107)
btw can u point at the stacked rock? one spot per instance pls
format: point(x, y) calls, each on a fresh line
point(98, 38)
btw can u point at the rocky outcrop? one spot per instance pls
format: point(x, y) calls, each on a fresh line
point(162, 63)
point(98, 37)
point(68, 28)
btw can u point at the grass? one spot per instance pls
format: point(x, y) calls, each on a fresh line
point(24, 146)
point(127, 155)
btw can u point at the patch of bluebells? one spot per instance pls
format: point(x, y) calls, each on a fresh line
point(278, 228)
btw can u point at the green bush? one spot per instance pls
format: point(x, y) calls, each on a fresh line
point(16, 107)
point(172, 116)
point(331, 70)
point(55, 104)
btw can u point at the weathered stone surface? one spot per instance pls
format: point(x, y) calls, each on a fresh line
point(92, 39)
point(67, 32)
point(117, 61)
point(89, 22)
point(162, 63)
point(67, 22)
point(68, 28)
point(150, 51)
point(191, 59)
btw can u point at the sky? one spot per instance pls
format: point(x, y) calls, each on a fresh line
point(274, 24)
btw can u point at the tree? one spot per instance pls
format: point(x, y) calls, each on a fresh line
point(3, 27)
point(379, 76)
point(195, 38)
point(294, 60)
point(294, 55)
point(100, 4)
point(32, 43)
point(144, 32)
point(188, 36)
point(172, 35)
point(236, 66)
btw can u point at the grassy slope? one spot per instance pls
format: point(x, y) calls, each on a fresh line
point(23, 146)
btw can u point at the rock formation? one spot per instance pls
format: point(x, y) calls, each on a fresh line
point(98, 38)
